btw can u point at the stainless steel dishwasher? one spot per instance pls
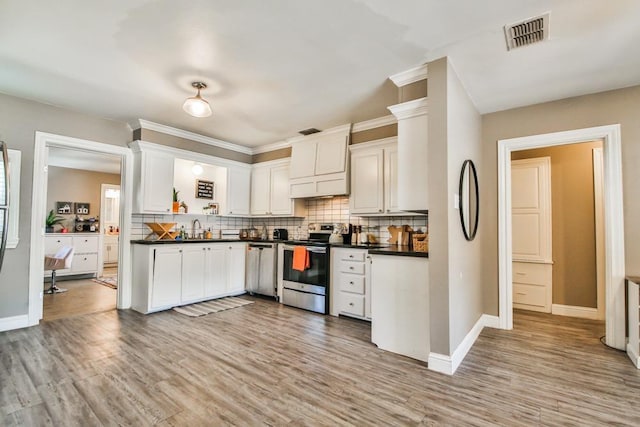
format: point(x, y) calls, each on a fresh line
point(261, 268)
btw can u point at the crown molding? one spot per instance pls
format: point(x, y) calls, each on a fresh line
point(374, 123)
point(145, 124)
point(410, 76)
point(406, 110)
point(270, 147)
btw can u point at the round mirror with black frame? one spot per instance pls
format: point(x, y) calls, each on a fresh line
point(469, 199)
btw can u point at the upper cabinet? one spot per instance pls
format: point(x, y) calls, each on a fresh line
point(153, 180)
point(270, 190)
point(374, 172)
point(238, 190)
point(319, 164)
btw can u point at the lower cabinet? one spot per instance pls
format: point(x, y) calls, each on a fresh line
point(400, 305)
point(350, 283)
point(110, 249)
point(85, 251)
point(532, 286)
point(170, 275)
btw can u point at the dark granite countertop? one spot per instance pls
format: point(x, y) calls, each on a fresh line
point(169, 242)
point(398, 251)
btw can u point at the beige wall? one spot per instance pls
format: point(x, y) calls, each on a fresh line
point(612, 107)
point(19, 120)
point(375, 133)
point(282, 153)
point(573, 221)
point(75, 185)
point(415, 90)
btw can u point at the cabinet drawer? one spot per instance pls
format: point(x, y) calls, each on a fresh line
point(529, 294)
point(531, 273)
point(352, 283)
point(352, 304)
point(353, 256)
point(85, 244)
point(53, 243)
point(84, 263)
point(352, 267)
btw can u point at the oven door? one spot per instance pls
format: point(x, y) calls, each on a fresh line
point(316, 274)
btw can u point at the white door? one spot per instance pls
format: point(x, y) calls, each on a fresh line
point(167, 278)
point(281, 203)
point(531, 222)
point(236, 254)
point(367, 189)
point(303, 159)
point(216, 273)
point(331, 154)
point(260, 191)
point(238, 194)
point(194, 259)
point(158, 182)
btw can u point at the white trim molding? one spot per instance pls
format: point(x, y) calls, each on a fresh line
point(38, 204)
point(574, 311)
point(180, 133)
point(13, 236)
point(14, 322)
point(406, 110)
point(412, 75)
point(632, 352)
point(374, 123)
point(449, 364)
point(271, 147)
point(610, 136)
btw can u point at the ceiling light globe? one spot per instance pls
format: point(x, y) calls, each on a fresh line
point(197, 107)
point(197, 169)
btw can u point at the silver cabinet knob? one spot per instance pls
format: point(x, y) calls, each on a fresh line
point(351, 304)
point(380, 210)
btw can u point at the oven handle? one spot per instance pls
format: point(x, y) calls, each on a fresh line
point(314, 249)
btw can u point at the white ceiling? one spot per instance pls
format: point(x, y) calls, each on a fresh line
point(275, 67)
point(83, 160)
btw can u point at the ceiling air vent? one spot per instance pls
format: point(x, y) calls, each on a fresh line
point(532, 30)
point(309, 131)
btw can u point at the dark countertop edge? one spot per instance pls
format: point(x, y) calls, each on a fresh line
point(398, 251)
point(181, 242)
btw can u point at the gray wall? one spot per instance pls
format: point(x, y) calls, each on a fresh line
point(612, 107)
point(455, 272)
point(19, 120)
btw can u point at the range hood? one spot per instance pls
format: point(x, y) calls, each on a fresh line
point(320, 164)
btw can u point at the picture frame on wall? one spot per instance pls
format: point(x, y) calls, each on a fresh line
point(204, 189)
point(64, 208)
point(81, 208)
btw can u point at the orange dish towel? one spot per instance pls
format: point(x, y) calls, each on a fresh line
point(301, 259)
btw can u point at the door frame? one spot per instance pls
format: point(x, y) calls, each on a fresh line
point(103, 188)
point(610, 135)
point(43, 141)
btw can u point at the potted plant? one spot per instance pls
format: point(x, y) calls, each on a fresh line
point(176, 202)
point(51, 220)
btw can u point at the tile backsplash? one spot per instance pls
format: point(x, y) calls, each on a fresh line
point(322, 210)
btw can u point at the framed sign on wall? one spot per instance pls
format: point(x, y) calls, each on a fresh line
point(204, 189)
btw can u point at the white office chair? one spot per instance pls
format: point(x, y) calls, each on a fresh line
point(62, 259)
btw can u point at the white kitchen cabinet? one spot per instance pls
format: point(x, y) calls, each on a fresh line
point(400, 305)
point(319, 164)
point(270, 190)
point(85, 252)
point(174, 274)
point(374, 184)
point(110, 249)
point(153, 181)
point(238, 191)
point(532, 286)
point(350, 283)
point(413, 125)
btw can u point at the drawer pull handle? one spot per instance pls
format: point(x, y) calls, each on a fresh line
point(350, 268)
point(351, 304)
point(350, 256)
point(351, 283)
point(521, 293)
point(521, 274)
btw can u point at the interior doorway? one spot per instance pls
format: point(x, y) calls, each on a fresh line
point(76, 149)
point(613, 226)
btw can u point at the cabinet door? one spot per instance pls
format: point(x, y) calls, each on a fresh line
point(236, 254)
point(216, 273)
point(157, 179)
point(194, 260)
point(260, 196)
point(303, 159)
point(281, 203)
point(238, 191)
point(331, 154)
point(391, 179)
point(167, 277)
point(53, 244)
point(367, 182)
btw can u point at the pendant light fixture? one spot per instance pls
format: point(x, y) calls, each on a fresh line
point(196, 105)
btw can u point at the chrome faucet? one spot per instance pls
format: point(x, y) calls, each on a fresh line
point(193, 228)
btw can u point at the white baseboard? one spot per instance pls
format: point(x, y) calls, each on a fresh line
point(449, 364)
point(14, 322)
point(574, 311)
point(633, 355)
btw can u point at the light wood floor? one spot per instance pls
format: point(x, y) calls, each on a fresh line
point(82, 297)
point(266, 364)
